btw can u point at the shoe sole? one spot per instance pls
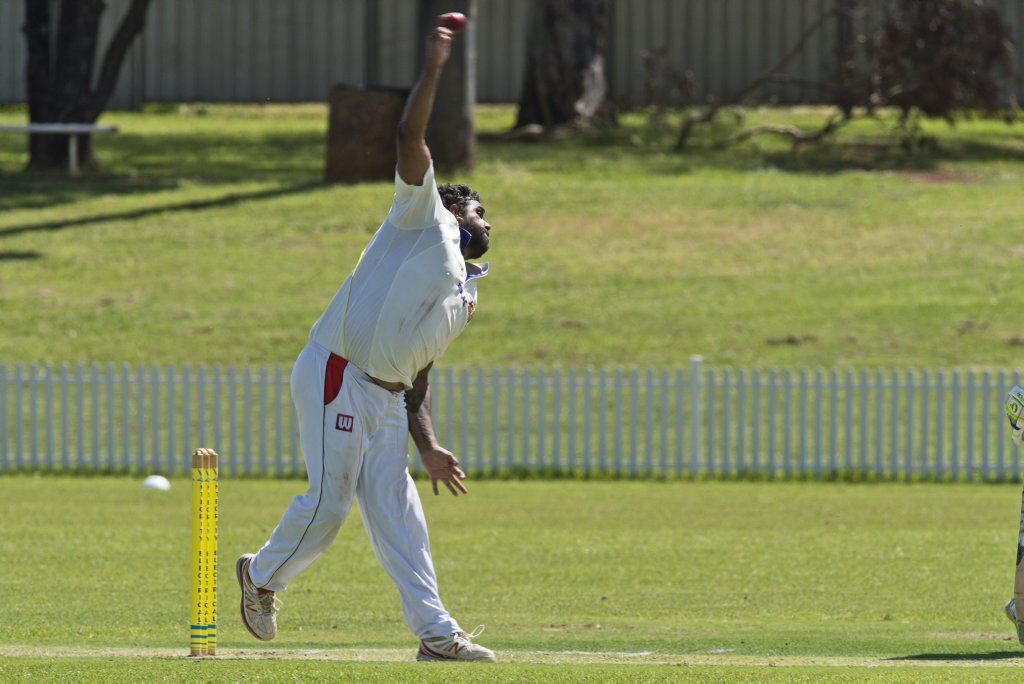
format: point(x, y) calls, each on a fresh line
point(242, 566)
point(429, 658)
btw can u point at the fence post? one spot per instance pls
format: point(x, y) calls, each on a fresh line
point(4, 461)
point(879, 412)
point(648, 439)
point(741, 402)
point(262, 392)
point(1000, 436)
point(726, 468)
point(479, 419)
point(247, 448)
point(471, 462)
point(126, 420)
point(215, 411)
point(617, 442)
point(33, 412)
point(19, 415)
point(894, 431)
point(954, 438)
point(663, 436)
point(695, 404)
point(172, 448)
point(527, 400)
point(986, 392)
point(940, 427)
point(924, 468)
point(510, 428)
point(1014, 453)
point(755, 419)
point(570, 456)
point(802, 435)
point(495, 421)
point(602, 421)
point(709, 428)
point(48, 413)
point(634, 417)
point(680, 422)
point(588, 381)
point(556, 419)
point(278, 399)
point(94, 379)
point(787, 424)
point(540, 454)
point(833, 420)
point(65, 452)
point(772, 396)
point(79, 416)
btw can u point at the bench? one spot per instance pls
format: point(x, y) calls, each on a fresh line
point(72, 130)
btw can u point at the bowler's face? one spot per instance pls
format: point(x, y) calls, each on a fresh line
point(471, 219)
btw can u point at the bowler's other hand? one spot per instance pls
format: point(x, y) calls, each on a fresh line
point(442, 465)
point(439, 46)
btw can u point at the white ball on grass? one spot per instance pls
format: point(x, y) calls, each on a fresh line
point(156, 482)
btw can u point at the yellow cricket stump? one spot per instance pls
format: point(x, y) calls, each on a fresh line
point(203, 604)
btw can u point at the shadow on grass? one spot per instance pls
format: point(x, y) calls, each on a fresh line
point(195, 205)
point(882, 155)
point(960, 657)
point(223, 156)
point(33, 190)
point(19, 255)
point(140, 163)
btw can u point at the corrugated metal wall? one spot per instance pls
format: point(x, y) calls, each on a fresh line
point(294, 50)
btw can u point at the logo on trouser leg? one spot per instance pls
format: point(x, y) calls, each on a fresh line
point(344, 422)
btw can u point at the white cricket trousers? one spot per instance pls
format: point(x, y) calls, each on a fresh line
point(354, 438)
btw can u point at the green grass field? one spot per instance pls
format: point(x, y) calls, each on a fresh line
point(207, 235)
point(575, 581)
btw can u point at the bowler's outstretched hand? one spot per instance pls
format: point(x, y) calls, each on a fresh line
point(442, 465)
point(439, 46)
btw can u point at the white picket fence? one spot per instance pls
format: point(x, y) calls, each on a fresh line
point(694, 421)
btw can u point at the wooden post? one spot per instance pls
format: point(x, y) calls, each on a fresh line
point(73, 154)
point(361, 133)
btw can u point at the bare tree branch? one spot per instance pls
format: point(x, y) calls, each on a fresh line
point(797, 135)
point(131, 26)
point(765, 77)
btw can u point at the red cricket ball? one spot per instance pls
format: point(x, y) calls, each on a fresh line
point(453, 21)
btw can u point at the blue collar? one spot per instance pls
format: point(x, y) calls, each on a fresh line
point(476, 270)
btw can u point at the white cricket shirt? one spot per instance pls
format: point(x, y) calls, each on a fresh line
point(409, 296)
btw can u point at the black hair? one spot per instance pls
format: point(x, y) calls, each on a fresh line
point(457, 194)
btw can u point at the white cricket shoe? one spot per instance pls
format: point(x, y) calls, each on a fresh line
point(1011, 612)
point(259, 608)
point(457, 646)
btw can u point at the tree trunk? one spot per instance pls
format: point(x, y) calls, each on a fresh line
point(565, 80)
point(59, 71)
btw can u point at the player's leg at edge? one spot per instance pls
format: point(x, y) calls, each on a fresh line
point(1015, 606)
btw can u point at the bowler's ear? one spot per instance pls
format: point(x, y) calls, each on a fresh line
point(455, 209)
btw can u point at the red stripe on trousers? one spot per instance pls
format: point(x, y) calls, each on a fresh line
point(333, 377)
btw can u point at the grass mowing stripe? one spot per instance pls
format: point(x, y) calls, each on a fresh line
point(391, 655)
